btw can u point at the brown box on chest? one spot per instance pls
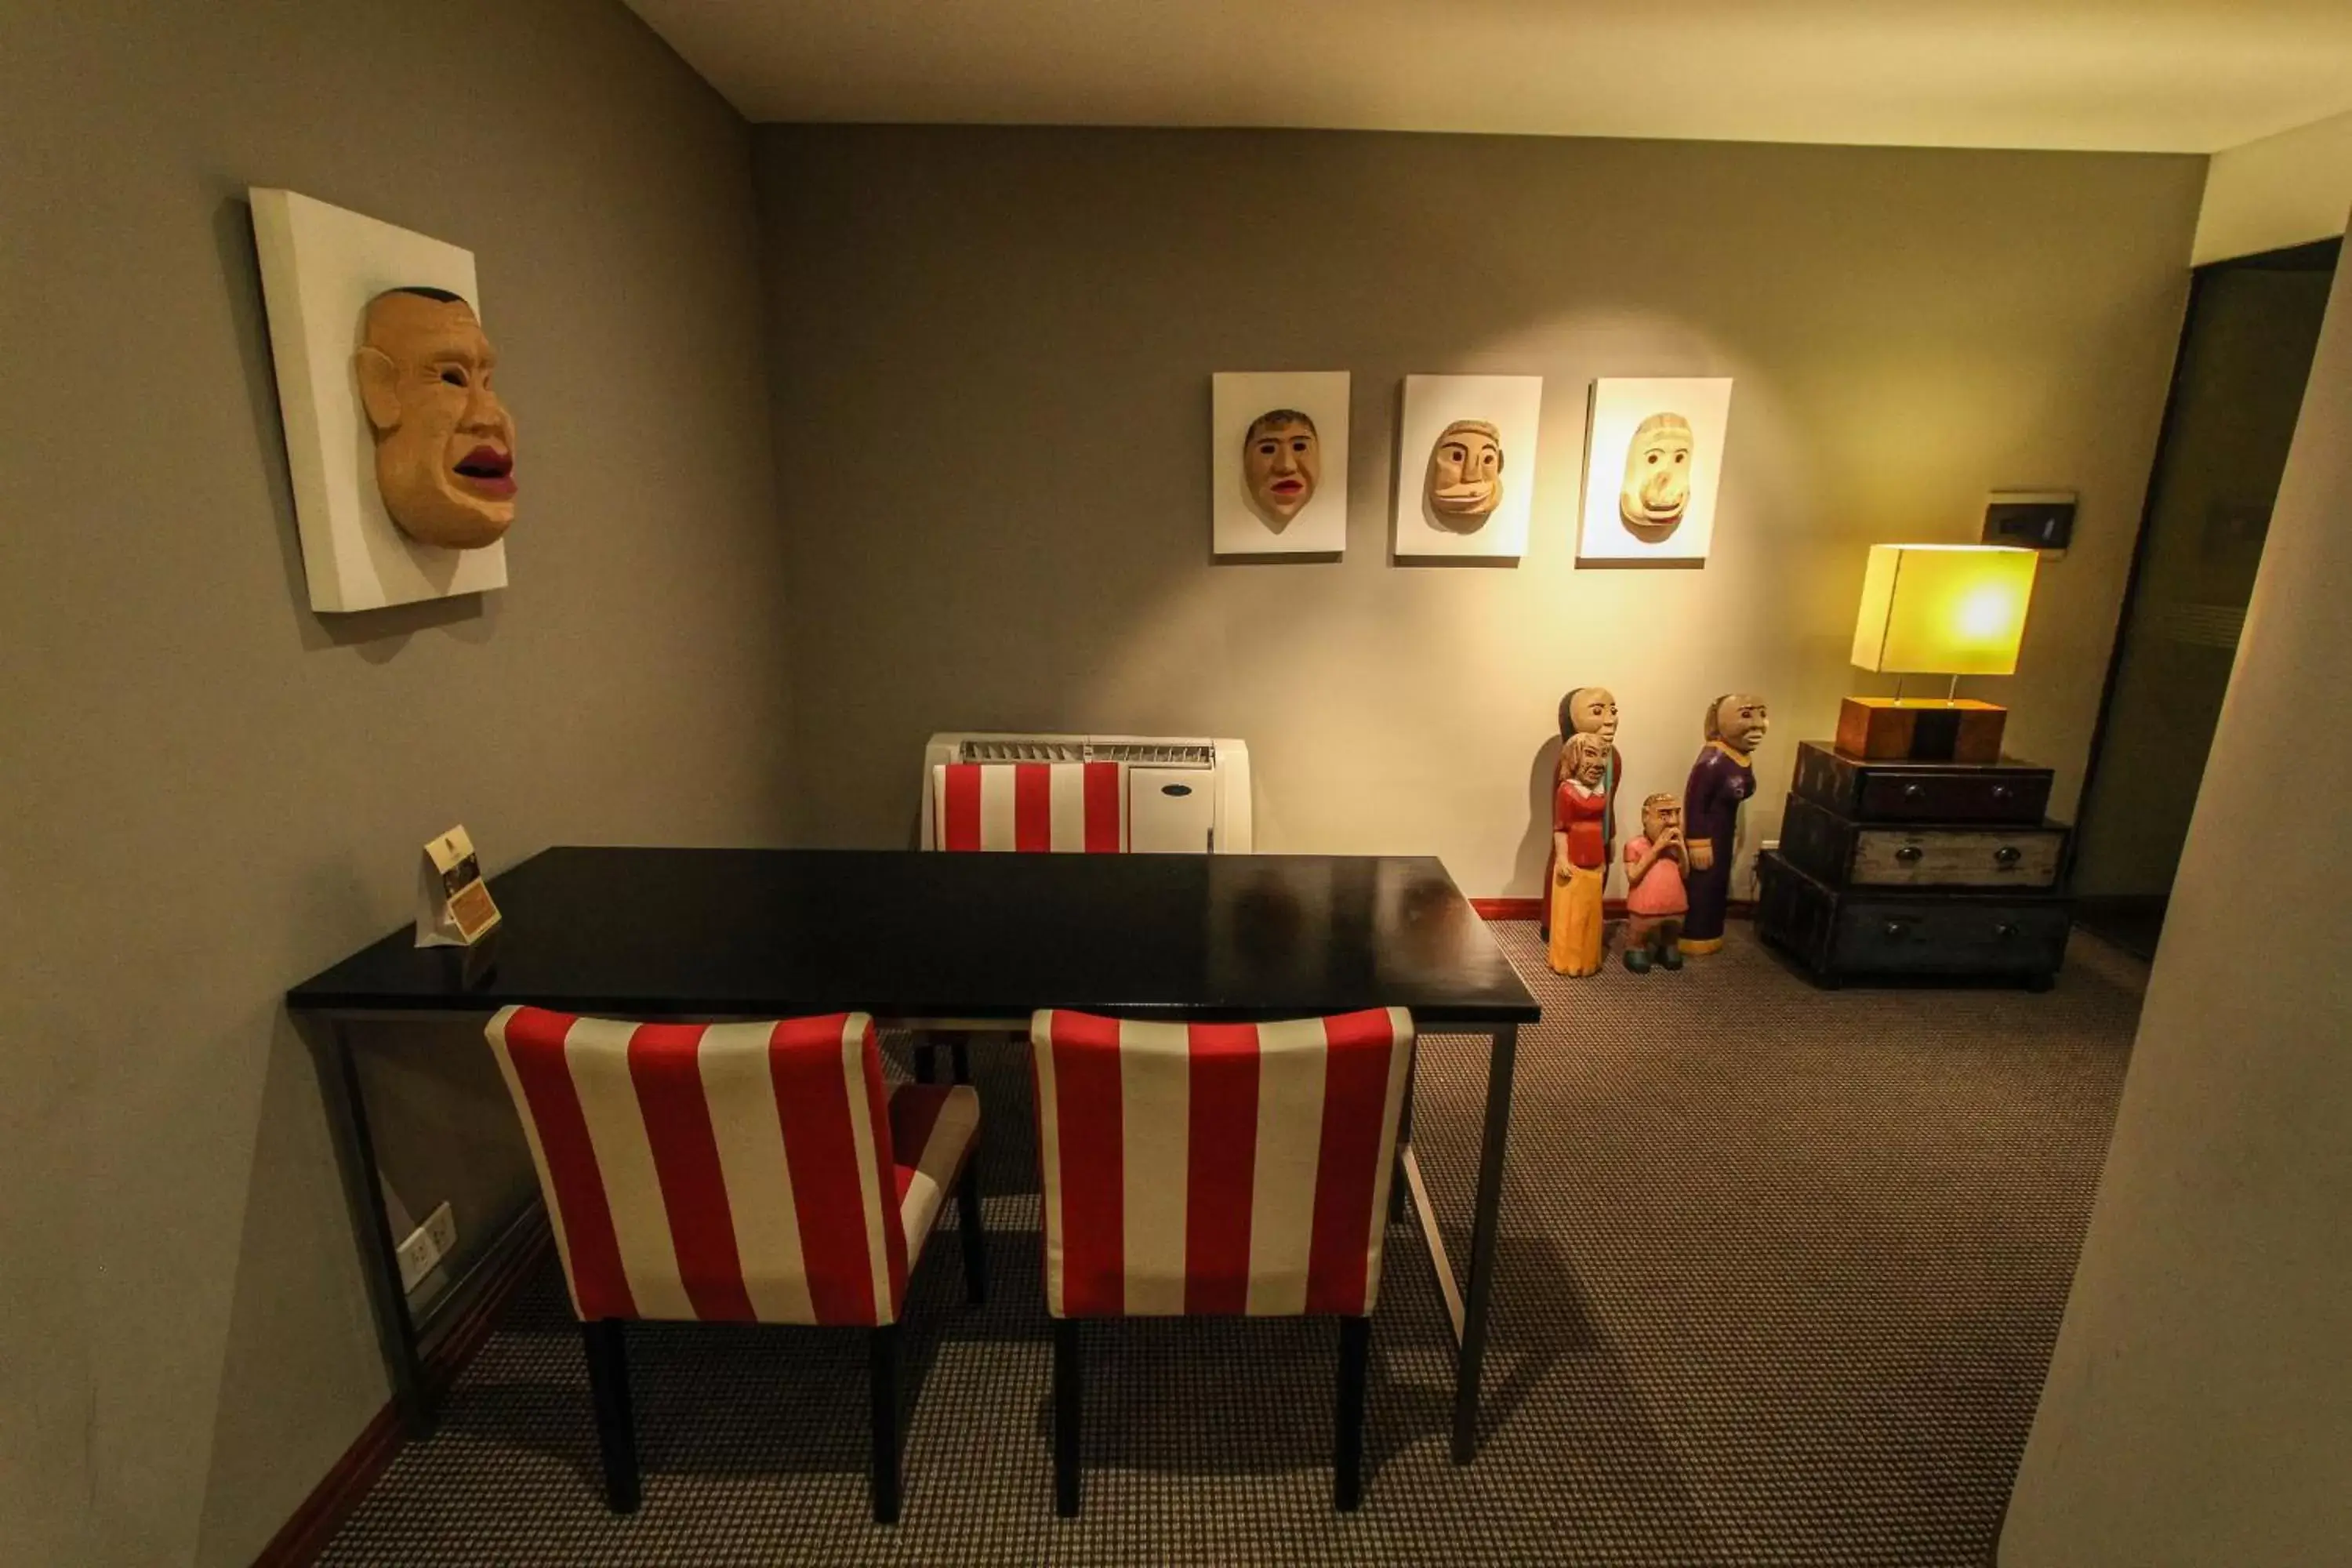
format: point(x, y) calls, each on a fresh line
point(1884, 729)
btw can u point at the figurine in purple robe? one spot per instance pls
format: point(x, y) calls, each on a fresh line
point(1719, 781)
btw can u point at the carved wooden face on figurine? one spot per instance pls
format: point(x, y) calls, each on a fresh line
point(1584, 759)
point(1282, 462)
point(1738, 721)
point(1590, 710)
point(1657, 487)
point(1661, 815)
point(444, 442)
point(1465, 473)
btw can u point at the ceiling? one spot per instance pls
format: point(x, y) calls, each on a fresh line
point(2192, 76)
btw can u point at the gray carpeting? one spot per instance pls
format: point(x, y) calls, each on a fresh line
point(1780, 1273)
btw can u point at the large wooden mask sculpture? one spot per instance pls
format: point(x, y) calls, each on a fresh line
point(1657, 477)
point(1465, 474)
point(444, 442)
point(1282, 462)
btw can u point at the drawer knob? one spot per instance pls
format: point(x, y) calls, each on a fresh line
point(1909, 854)
point(2007, 855)
point(2006, 931)
point(1898, 929)
point(2002, 791)
point(1914, 792)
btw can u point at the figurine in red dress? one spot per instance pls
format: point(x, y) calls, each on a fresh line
point(1579, 857)
point(1588, 711)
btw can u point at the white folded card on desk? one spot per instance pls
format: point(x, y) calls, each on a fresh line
point(453, 904)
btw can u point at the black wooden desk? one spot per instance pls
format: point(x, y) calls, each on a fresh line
point(950, 942)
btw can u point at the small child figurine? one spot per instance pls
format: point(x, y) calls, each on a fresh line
point(1655, 899)
point(1580, 856)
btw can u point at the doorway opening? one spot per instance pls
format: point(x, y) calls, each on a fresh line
point(2246, 347)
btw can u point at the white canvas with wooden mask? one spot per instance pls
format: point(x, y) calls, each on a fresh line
point(400, 451)
point(1278, 464)
point(1466, 466)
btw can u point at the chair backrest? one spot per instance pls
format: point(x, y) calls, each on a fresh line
point(720, 1171)
point(1030, 807)
point(1217, 1168)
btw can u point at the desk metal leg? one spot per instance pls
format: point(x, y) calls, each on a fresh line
point(1485, 1222)
point(1399, 1189)
point(380, 1260)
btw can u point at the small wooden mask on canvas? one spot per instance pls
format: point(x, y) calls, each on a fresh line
point(1282, 462)
point(1465, 483)
point(1657, 487)
point(443, 443)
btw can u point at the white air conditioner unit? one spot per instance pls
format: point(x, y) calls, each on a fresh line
point(1182, 796)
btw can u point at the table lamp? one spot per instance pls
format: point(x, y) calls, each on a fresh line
point(1935, 609)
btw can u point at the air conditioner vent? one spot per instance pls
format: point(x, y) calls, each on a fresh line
point(1015, 749)
point(1154, 753)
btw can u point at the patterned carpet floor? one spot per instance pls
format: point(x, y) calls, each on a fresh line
point(1780, 1272)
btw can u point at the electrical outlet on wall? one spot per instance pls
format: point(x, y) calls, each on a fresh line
point(426, 1245)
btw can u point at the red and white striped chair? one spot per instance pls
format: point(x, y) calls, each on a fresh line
point(1217, 1168)
point(1030, 808)
point(736, 1173)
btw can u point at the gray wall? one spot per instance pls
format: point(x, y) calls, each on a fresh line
point(992, 353)
point(2198, 1409)
point(209, 792)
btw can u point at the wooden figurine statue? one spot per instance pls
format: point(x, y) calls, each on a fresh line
point(1588, 711)
point(1578, 859)
point(1720, 781)
point(1654, 897)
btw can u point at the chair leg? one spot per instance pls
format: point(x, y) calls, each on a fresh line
point(961, 1057)
point(882, 1393)
point(1066, 1395)
point(1348, 1419)
point(971, 1230)
point(606, 1343)
point(925, 1059)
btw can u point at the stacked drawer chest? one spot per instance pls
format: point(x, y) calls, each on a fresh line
point(1921, 869)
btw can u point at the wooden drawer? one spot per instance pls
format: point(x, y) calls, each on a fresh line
point(1862, 791)
point(1843, 852)
point(1876, 937)
point(1858, 934)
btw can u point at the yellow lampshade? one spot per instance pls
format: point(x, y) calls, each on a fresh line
point(1943, 609)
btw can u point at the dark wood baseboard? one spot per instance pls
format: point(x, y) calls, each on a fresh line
point(299, 1542)
point(1613, 909)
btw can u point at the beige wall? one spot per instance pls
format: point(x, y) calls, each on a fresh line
point(2288, 189)
point(2198, 1408)
point(992, 353)
point(209, 792)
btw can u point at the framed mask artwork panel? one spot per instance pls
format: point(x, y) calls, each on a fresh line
point(1279, 463)
point(1466, 466)
point(1652, 463)
point(384, 387)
